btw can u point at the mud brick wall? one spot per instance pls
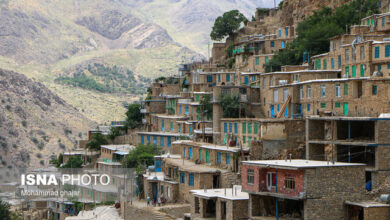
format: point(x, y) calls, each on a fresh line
point(327, 188)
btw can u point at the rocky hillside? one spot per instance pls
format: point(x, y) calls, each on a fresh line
point(34, 122)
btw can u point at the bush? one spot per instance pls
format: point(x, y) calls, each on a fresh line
point(24, 123)
point(231, 106)
point(8, 107)
point(34, 140)
point(39, 155)
point(142, 154)
point(133, 116)
point(73, 162)
point(62, 146)
point(97, 140)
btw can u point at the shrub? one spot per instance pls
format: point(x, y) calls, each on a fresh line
point(24, 123)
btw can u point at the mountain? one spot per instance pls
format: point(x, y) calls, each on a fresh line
point(35, 123)
point(52, 42)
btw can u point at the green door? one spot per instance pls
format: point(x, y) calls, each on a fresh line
point(354, 71)
point(345, 108)
point(200, 155)
point(207, 156)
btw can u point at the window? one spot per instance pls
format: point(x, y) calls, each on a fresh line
point(257, 61)
point(379, 67)
point(189, 152)
point(374, 90)
point(266, 59)
point(286, 31)
point(256, 129)
point(155, 140)
point(362, 67)
point(280, 32)
point(383, 21)
point(184, 152)
point(235, 128)
point(191, 179)
point(271, 81)
point(162, 125)
point(323, 105)
point(148, 139)
point(142, 139)
point(200, 155)
point(249, 128)
point(285, 94)
point(347, 70)
point(338, 90)
point(318, 64)
point(337, 104)
point(308, 107)
point(345, 89)
point(272, 44)
point(264, 83)
point(387, 51)
point(209, 78)
point(253, 78)
point(376, 52)
point(169, 142)
point(182, 177)
point(301, 95)
point(275, 95)
point(180, 109)
point(227, 77)
point(250, 176)
point(362, 53)
point(308, 92)
point(339, 61)
point(179, 128)
point(171, 125)
point(227, 158)
point(332, 63)
point(282, 44)
point(323, 91)
point(186, 110)
point(162, 141)
point(289, 183)
point(230, 127)
point(218, 157)
point(325, 64)
point(244, 127)
point(244, 139)
point(346, 55)
point(225, 127)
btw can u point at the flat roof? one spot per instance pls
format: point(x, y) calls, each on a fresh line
point(367, 204)
point(189, 166)
point(160, 133)
point(171, 116)
point(122, 147)
point(299, 164)
point(234, 193)
point(349, 118)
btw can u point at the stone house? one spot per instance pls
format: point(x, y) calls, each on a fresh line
point(301, 189)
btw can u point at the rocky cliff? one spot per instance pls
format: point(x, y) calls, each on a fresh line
point(35, 123)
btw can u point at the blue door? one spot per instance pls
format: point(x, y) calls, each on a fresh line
point(246, 80)
point(286, 112)
point(218, 157)
point(272, 111)
point(190, 152)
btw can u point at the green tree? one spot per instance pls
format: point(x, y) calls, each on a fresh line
point(227, 24)
point(134, 116)
point(141, 155)
point(98, 139)
point(5, 213)
point(73, 162)
point(115, 132)
point(206, 106)
point(230, 105)
point(314, 32)
point(57, 161)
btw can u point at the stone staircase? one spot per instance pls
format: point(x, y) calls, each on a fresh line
point(229, 178)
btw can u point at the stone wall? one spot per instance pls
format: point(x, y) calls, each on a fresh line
point(327, 188)
point(375, 213)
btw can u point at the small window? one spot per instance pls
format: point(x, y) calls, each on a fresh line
point(345, 89)
point(308, 107)
point(362, 53)
point(374, 90)
point(308, 92)
point(289, 183)
point(376, 52)
point(323, 105)
point(182, 178)
point(337, 104)
point(346, 55)
point(191, 179)
point(272, 44)
point(244, 127)
point(250, 175)
point(338, 90)
point(323, 91)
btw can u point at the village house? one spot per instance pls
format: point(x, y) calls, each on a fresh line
point(301, 189)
